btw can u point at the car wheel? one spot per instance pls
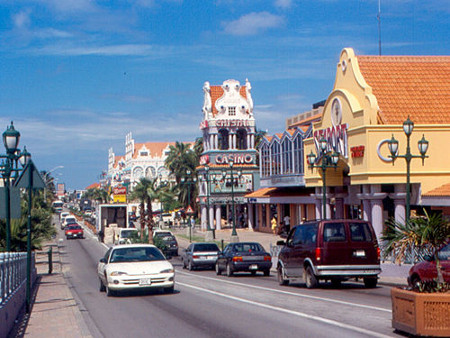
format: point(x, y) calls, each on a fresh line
point(336, 283)
point(109, 292)
point(253, 273)
point(218, 271)
point(310, 278)
point(280, 275)
point(101, 287)
point(229, 270)
point(266, 273)
point(190, 266)
point(370, 282)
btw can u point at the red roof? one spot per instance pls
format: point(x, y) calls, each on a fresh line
point(217, 92)
point(93, 186)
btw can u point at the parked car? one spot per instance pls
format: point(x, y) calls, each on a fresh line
point(243, 256)
point(125, 234)
point(334, 250)
point(169, 240)
point(135, 266)
point(200, 255)
point(74, 231)
point(426, 270)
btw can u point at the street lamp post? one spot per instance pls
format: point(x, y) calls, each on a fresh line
point(189, 181)
point(46, 177)
point(328, 161)
point(11, 139)
point(234, 235)
point(162, 184)
point(210, 233)
point(408, 127)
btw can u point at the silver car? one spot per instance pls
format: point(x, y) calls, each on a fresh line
point(200, 255)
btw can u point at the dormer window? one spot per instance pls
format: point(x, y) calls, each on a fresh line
point(144, 153)
point(231, 111)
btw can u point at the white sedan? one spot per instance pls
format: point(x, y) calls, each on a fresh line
point(135, 266)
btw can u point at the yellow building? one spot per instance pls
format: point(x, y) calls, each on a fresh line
point(371, 98)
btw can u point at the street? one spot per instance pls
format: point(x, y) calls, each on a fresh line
point(206, 305)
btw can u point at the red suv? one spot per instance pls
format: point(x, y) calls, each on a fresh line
point(334, 250)
point(426, 270)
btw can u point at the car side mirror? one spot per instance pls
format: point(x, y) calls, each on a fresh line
point(102, 260)
point(281, 243)
point(428, 258)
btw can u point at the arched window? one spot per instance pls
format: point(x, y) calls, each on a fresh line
point(298, 155)
point(287, 155)
point(223, 139)
point(150, 172)
point(241, 139)
point(276, 158)
point(265, 160)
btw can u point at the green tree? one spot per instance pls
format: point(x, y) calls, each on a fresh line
point(425, 233)
point(97, 194)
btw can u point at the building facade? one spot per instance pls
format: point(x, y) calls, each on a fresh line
point(140, 160)
point(371, 98)
point(228, 168)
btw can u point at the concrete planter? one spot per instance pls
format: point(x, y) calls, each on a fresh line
point(422, 314)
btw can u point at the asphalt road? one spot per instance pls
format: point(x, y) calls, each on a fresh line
point(206, 305)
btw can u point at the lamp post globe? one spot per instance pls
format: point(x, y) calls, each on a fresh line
point(25, 157)
point(11, 138)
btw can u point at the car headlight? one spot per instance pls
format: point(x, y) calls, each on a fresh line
point(167, 271)
point(118, 273)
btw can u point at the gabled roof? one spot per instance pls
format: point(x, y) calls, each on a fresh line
point(217, 92)
point(155, 148)
point(414, 86)
point(93, 186)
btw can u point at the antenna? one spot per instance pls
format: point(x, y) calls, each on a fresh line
point(379, 27)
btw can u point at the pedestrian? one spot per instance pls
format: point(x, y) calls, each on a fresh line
point(101, 235)
point(287, 225)
point(274, 224)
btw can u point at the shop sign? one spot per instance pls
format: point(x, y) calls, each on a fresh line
point(357, 151)
point(336, 137)
point(237, 158)
point(232, 123)
point(120, 198)
point(220, 184)
point(120, 190)
point(204, 159)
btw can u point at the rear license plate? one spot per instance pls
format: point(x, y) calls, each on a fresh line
point(360, 253)
point(253, 267)
point(145, 281)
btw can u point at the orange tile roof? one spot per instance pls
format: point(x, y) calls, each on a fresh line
point(263, 192)
point(93, 186)
point(443, 190)
point(217, 92)
point(117, 159)
point(415, 86)
point(155, 148)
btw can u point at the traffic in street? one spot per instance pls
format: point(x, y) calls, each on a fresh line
point(204, 304)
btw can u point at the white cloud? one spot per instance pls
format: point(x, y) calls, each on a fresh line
point(284, 4)
point(22, 20)
point(253, 23)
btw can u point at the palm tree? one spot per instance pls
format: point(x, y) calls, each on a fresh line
point(139, 193)
point(425, 233)
point(180, 159)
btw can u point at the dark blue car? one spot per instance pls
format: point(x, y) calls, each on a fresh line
point(244, 256)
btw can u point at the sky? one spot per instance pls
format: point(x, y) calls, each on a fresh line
point(77, 75)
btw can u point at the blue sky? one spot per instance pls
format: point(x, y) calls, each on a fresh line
point(77, 75)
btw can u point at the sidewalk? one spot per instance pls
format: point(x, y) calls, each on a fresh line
point(392, 274)
point(54, 312)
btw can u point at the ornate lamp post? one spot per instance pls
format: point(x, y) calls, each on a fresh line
point(11, 138)
point(210, 233)
point(329, 160)
point(408, 127)
point(189, 181)
point(234, 235)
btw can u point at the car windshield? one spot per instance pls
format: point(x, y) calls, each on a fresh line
point(126, 233)
point(70, 220)
point(206, 247)
point(248, 247)
point(137, 254)
point(163, 234)
point(74, 227)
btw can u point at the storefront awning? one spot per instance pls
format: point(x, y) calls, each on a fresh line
point(282, 195)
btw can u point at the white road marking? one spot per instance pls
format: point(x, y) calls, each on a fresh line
point(295, 313)
point(289, 293)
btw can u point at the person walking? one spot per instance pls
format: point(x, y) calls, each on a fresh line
point(287, 225)
point(274, 225)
